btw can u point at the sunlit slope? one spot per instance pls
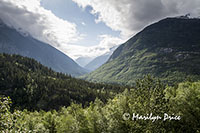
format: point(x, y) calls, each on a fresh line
point(168, 49)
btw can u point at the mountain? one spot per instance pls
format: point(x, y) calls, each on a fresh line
point(168, 49)
point(82, 61)
point(14, 42)
point(97, 62)
point(33, 86)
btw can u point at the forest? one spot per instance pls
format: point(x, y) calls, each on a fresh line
point(33, 86)
point(148, 96)
point(38, 100)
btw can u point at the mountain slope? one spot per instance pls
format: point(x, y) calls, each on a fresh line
point(100, 60)
point(97, 62)
point(13, 42)
point(82, 61)
point(168, 49)
point(33, 86)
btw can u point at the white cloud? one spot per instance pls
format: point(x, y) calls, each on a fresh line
point(107, 42)
point(40, 23)
point(126, 16)
point(83, 23)
point(130, 16)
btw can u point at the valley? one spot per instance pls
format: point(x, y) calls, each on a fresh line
point(155, 72)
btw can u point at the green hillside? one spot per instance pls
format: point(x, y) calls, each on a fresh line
point(33, 86)
point(168, 49)
point(177, 108)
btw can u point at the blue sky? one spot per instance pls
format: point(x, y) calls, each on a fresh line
point(84, 20)
point(89, 28)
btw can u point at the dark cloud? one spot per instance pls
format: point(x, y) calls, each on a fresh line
point(130, 16)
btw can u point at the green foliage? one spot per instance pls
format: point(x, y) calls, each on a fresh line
point(32, 86)
point(84, 107)
point(184, 100)
point(148, 96)
point(8, 119)
point(5, 115)
point(168, 50)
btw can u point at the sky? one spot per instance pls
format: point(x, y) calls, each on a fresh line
point(89, 28)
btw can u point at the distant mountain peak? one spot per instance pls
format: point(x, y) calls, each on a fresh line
point(187, 16)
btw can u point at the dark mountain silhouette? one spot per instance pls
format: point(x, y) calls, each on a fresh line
point(14, 42)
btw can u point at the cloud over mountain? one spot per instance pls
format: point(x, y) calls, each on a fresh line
point(107, 42)
point(130, 16)
point(40, 23)
point(30, 17)
point(126, 16)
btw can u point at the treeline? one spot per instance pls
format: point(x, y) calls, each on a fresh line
point(148, 96)
point(33, 86)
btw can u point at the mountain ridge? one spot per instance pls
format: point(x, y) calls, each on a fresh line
point(14, 42)
point(97, 62)
point(167, 49)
